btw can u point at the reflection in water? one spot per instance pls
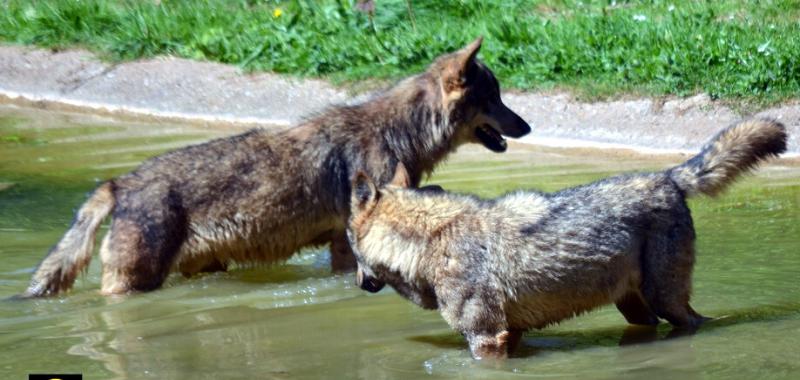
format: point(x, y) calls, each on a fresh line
point(641, 346)
point(96, 344)
point(635, 334)
point(559, 340)
point(299, 321)
point(131, 342)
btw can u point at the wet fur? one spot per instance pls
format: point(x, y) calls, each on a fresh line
point(261, 196)
point(495, 268)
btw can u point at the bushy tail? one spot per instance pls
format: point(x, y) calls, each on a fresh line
point(73, 253)
point(734, 150)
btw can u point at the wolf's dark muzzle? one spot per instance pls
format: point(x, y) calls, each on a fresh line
point(369, 283)
point(511, 124)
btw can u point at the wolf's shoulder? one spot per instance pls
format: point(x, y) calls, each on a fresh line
point(522, 202)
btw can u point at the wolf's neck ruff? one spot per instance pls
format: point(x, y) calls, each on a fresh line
point(418, 129)
point(408, 120)
point(412, 227)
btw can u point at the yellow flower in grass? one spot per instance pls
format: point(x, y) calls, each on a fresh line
point(277, 13)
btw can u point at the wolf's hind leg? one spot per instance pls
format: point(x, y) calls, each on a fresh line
point(142, 243)
point(667, 276)
point(342, 257)
point(214, 265)
point(203, 263)
point(134, 260)
point(635, 310)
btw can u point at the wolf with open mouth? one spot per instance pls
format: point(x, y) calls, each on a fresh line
point(260, 196)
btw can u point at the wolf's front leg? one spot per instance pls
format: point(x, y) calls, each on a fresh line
point(491, 346)
point(342, 258)
point(476, 311)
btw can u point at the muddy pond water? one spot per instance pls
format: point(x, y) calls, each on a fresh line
point(297, 320)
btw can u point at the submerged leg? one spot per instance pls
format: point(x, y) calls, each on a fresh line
point(476, 311)
point(203, 264)
point(667, 277)
point(143, 241)
point(514, 338)
point(637, 334)
point(635, 310)
point(491, 346)
point(342, 257)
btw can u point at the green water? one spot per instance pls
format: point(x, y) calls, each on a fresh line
point(299, 321)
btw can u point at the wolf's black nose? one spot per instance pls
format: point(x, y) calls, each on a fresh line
point(371, 284)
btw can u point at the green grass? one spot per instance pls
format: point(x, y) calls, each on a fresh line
point(735, 50)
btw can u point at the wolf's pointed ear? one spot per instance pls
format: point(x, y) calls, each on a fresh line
point(455, 74)
point(364, 190)
point(401, 177)
point(467, 53)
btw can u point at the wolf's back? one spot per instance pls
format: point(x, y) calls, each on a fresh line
point(734, 150)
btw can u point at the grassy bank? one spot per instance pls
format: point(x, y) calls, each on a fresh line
point(738, 50)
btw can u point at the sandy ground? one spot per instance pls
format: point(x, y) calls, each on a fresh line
point(183, 90)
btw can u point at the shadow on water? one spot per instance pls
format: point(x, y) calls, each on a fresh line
point(536, 342)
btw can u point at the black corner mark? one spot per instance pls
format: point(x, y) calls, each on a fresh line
point(55, 376)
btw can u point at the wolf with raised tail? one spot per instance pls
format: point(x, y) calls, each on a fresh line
point(495, 268)
point(261, 196)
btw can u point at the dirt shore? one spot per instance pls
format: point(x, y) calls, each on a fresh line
point(182, 90)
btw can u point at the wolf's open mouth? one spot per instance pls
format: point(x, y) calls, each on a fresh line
point(491, 139)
